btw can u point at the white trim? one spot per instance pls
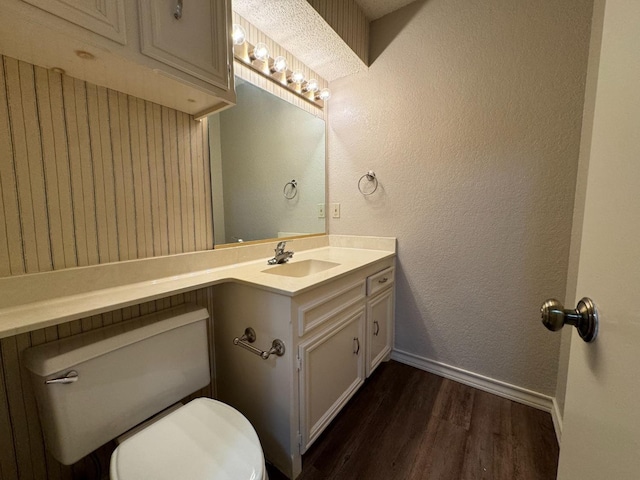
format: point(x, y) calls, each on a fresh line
point(556, 416)
point(491, 385)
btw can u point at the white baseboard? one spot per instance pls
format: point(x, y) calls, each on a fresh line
point(491, 385)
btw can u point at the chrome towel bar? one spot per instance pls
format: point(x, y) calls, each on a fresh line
point(245, 341)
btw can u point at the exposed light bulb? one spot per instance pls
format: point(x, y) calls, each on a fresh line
point(238, 34)
point(279, 65)
point(323, 95)
point(296, 77)
point(260, 52)
point(311, 86)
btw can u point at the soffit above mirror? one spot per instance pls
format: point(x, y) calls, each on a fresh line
point(303, 31)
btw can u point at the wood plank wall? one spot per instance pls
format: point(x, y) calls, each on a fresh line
point(89, 175)
point(349, 21)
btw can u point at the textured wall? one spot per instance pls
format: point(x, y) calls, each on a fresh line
point(470, 116)
point(89, 175)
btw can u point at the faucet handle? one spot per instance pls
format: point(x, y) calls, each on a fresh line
point(281, 245)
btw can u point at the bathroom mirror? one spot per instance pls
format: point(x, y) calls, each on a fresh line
point(267, 168)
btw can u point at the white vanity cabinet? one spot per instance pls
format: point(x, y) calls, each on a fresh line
point(330, 347)
point(171, 52)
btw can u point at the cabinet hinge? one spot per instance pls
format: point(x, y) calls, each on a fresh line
point(299, 439)
point(299, 362)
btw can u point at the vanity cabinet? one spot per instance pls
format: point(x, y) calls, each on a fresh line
point(137, 47)
point(331, 343)
point(331, 369)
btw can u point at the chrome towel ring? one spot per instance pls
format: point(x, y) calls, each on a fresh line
point(370, 186)
point(290, 189)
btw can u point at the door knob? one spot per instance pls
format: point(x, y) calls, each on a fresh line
point(584, 317)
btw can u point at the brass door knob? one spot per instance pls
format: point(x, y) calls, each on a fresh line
point(584, 317)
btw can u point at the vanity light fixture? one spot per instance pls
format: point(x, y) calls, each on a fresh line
point(257, 58)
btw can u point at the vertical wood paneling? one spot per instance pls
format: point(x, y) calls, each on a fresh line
point(89, 175)
point(349, 21)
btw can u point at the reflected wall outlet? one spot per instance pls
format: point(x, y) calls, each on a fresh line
point(335, 210)
point(321, 210)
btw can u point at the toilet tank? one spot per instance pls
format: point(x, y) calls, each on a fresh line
point(126, 373)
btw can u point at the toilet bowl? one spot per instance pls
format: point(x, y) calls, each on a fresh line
point(205, 439)
point(93, 387)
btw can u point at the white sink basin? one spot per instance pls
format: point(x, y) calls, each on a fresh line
point(300, 269)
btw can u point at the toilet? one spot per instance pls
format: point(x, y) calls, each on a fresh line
point(94, 387)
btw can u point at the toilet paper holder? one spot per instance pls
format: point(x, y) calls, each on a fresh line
point(245, 341)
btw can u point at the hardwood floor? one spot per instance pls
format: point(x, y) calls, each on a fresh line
point(409, 424)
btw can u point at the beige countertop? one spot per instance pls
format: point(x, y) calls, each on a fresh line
point(30, 302)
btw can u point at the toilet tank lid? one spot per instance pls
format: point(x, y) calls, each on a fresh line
point(54, 357)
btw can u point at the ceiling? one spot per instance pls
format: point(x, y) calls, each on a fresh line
point(374, 9)
point(296, 26)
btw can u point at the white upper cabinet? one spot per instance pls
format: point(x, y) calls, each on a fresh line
point(137, 47)
point(104, 17)
point(188, 36)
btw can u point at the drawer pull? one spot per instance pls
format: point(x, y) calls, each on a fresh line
point(377, 331)
point(383, 280)
point(356, 343)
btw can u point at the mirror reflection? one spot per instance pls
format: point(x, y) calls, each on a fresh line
point(267, 168)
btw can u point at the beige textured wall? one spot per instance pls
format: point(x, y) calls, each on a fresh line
point(470, 116)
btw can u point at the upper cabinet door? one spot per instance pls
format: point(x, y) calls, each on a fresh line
point(104, 17)
point(196, 41)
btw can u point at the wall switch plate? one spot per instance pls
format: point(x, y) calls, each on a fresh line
point(321, 210)
point(335, 210)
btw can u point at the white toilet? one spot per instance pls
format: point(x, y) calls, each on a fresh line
point(93, 387)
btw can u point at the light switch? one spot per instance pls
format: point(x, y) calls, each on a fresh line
point(321, 210)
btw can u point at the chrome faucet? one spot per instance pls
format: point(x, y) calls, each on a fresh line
point(281, 256)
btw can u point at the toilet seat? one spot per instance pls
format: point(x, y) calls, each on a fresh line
point(205, 439)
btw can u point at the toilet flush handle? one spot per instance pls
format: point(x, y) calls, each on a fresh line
point(69, 377)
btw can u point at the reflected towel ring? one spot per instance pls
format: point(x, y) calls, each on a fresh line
point(370, 176)
point(292, 191)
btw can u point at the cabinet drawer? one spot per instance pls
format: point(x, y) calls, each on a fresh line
point(380, 280)
point(315, 313)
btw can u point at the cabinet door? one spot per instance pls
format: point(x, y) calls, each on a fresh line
point(379, 328)
point(196, 43)
point(332, 370)
point(104, 17)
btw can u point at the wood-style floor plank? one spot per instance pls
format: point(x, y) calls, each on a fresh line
point(409, 424)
